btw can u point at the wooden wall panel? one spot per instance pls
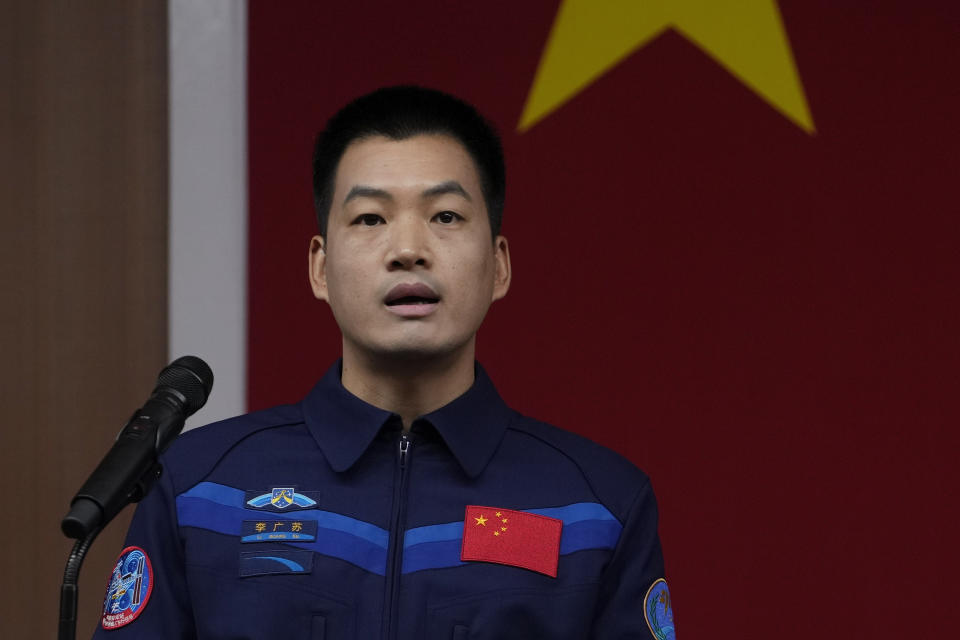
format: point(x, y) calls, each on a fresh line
point(83, 209)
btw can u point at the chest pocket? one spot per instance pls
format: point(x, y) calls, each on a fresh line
point(268, 607)
point(318, 628)
point(516, 614)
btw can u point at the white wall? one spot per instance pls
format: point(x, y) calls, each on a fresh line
point(208, 195)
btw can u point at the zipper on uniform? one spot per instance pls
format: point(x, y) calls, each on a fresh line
point(404, 450)
point(396, 539)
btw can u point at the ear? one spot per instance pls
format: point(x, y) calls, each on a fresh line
point(318, 268)
point(502, 275)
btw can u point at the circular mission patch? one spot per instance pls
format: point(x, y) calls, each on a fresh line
point(658, 611)
point(129, 590)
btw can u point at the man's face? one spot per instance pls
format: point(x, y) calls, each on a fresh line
point(408, 266)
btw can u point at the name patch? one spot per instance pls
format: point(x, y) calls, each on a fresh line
point(278, 530)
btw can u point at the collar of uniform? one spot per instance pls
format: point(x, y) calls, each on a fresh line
point(343, 425)
point(473, 424)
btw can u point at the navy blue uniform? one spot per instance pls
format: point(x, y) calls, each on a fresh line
point(323, 520)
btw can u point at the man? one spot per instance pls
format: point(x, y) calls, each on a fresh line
point(402, 498)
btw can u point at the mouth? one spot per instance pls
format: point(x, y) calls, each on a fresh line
point(412, 300)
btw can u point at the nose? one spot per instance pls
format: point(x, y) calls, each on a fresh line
point(409, 245)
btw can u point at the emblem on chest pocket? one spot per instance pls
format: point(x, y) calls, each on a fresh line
point(282, 499)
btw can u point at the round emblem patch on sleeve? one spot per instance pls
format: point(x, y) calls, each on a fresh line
point(129, 590)
point(658, 611)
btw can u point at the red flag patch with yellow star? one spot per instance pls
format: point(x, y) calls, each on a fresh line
point(516, 538)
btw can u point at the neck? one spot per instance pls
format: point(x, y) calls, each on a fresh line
point(407, 386)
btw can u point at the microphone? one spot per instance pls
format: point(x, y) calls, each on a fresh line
point(129, 469)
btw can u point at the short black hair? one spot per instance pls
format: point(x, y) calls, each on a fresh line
point(399, 113)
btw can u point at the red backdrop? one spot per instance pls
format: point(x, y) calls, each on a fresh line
point(763, 319)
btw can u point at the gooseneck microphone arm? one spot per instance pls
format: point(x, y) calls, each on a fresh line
point(130, 468)
point(67, 629)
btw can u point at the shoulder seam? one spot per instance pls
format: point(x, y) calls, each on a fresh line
point(573, 460)
point(227, 450)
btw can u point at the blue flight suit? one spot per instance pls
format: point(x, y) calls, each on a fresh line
point(322, 520)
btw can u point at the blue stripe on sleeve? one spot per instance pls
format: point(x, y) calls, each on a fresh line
point(589, 534)
point(576, 512)
point(433, 533)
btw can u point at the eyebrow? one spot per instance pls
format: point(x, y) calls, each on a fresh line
point(450, 186)
point(362, 191)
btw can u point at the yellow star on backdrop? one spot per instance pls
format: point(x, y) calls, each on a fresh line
point(746, 37)
point(481, 521)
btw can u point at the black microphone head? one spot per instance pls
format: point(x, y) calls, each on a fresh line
point(192, 378)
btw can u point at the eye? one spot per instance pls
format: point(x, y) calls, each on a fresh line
point(368, 220)
point(447, 217)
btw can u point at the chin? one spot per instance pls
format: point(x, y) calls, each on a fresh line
point(414, 353)
point(417, 351)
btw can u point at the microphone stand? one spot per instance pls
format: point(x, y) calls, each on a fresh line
point(68, 589)
point(128, 471)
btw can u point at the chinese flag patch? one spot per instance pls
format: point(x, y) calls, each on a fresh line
point(520, 539)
